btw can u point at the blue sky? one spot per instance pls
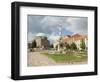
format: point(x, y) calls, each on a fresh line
point(50, 25)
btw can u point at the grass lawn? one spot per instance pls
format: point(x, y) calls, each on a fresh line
point(68, 57)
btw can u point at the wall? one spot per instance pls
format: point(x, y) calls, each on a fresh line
point(5, 40)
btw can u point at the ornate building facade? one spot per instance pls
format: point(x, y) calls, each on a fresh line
point(76, 38)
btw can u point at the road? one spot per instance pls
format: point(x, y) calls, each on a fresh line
point(37, 59)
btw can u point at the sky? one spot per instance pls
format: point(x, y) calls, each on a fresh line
point(51, 25)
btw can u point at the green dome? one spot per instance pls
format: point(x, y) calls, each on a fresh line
point(41, 34)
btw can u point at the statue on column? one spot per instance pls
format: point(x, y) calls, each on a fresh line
point(59, 49)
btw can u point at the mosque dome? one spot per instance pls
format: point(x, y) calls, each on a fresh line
point(41, 34)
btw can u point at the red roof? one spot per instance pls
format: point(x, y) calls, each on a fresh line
point(75, 37)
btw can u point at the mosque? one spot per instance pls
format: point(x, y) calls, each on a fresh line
point(41, 41)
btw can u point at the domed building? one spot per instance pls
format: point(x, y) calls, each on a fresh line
point(42, 41)
point(41, 35)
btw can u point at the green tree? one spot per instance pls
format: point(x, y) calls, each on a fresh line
point(61, 45)
point(29, 45)
point(67, 46)
point(34, 44)
point(73, 46)
point(82, 45)
point(51, 46)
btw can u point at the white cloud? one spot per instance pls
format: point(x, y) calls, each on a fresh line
point(78, 25)
point(49, 25)
point(53, 37)
point(73, 24)
point(30, 36)
point(52, 21)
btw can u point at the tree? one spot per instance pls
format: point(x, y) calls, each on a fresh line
point(29, 45)
point(61, 45)
point(67, 46)
point(73, 46)
point(82, 45)
point(34, 44)
point(51, 46)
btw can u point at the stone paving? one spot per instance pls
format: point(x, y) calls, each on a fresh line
point(37, 59)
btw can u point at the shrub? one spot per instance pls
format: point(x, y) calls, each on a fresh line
point(67, 46)
point(73, 46)
point(82, 45)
